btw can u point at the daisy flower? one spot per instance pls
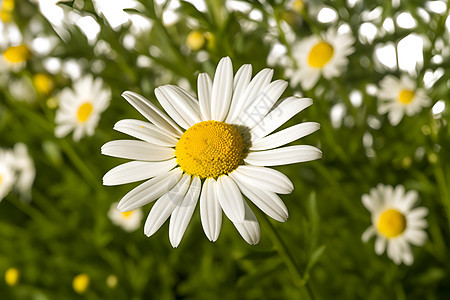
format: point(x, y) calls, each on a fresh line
point(214, 148)
point(14, 58)
point(129, 220)
point(400, 96)
point(395, 222)
point(315, 56)
point(80, 108)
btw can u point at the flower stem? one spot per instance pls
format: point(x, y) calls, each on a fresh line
point(287, 257)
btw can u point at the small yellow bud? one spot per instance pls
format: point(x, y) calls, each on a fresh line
point(12, 276)
point(80, 283)
point(43, 83)
point(111, 281)
point(195, 40)
point(17, 54)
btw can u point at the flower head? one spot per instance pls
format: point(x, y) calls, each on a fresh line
point(394, 221)
point(129, 220)
point(400, 96)
point(80, 108)
point(214, 148)
point(316, 56)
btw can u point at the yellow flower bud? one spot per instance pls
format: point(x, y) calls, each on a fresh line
point(12, 276)
point(80, 283)
point(195, 40)
point(43, 83)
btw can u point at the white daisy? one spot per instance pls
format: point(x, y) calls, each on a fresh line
point(326, 55)
point(14, 58)
point(213, 148)
point(129, 220)
point(80, 107)
point(394, 222)
point(400, 96)
point(7, 178)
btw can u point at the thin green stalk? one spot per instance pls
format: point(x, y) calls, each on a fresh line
point(287, 257)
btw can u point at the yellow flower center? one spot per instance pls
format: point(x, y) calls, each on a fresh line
point(127, 214)
point(195, 40)
point(405, 96)
point(298, 5)
point(17, 54)
point(12, 276)
point(84, 111)
point(43, 83)
point(210, 149)
point(6, 10)
point(80, 283)
point(320, 55)
point(391, 223)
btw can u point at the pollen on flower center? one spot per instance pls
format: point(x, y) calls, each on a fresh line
point(84, 111)
point(17, 54)
point(210, 149)
point(405, 96)
point(391, 223)
point(127, 214)
point(320, 55)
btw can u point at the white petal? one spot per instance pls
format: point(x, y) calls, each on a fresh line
point(63, 130)
point(279, 115)
point(285, 136)
point(241, 81)
point(309, 81)
point(283, 156)
point(204, 87)
point(136, 171)
point(183, 213)
point(210, 210)
point(138, 150)
point(222, 90)
point(258, 83)
point(265, 178)
point(146, 132)
point(409, 199)
point(406, 253)
point(370, 203)
point(256, 110)
point(395, 116)
point(179, 104)
point(394, 251)
point(149, 190)
point(418, 213)
point(152, 113)
point(370, 231)
point(380, 245)
point(415, 236)
point(269, 202)
point(230, 199)
point(165, 206)
point(249, 228)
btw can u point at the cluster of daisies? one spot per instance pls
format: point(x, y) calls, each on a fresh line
point(326, 55)
point(17, 171)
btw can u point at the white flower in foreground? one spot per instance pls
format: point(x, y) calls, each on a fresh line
point(326, 55)
point(400, 96)
point(7, 178)
point(213, 148)
point(129, 220)
point(80, 108)
point(395, 222)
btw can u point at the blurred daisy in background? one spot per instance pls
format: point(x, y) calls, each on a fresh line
point(14, 58)
point(394, 221)
point(222, 141)
point(400, 96)
point(80, 108)
point(129, 220)
point(316, 56)
point(25, 170)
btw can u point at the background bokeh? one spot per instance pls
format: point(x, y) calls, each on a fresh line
point(65, 231)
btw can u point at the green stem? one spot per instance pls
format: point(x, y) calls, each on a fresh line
point(287, 257)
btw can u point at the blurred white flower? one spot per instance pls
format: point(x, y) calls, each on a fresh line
point(395, 222)
point(25, 170)
point(214, 149)
point(400, 96)
point(316, 56)
point(7, 178)
point(129, 220)
point(80, 108)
